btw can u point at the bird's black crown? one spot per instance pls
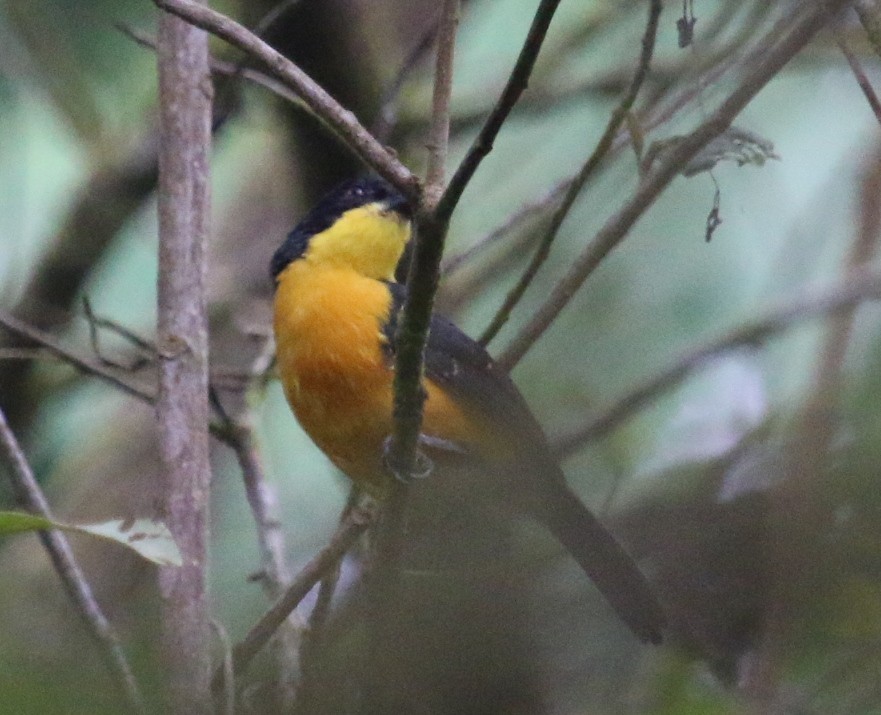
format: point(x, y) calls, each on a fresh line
point(347, 195)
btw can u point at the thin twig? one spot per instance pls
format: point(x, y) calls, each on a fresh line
point(238, 434)
point(25, 354)
point(221, 67)
point(403, 458)
point(268, 20)
point(92, 367)
point(31, 497)
point(228, 703)
point(861, 285)
point(859, 74)
point(146, 350)
point(343, 539)
point(763, 63)
point(587, 170)
point(341, 121)
point(321, 609)
point(422, 281)
point(387, 116)
point(88, 366)
point(261, 497)
point(314, 635)
point(523, 213)
point(869, 12)
point(515, 86)
point(661, 115)
point(439, 132)
point(274, 572)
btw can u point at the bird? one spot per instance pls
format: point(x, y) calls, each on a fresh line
point(336, 309)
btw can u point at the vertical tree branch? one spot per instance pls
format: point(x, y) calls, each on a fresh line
point(30, 496)
point(185, 94)
point(262, 500)
point(422, 278)
point(403, 456)
point(439, 134)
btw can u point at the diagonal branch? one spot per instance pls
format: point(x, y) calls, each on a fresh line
point(517, 83)
point(38, 337)
point(355, 523)
point(423, 274)
point(587, 170)
point(30, 496)
point(861, 285)
point(763, 63)
point(341, 121)
point(859, 74)
point(403, 458)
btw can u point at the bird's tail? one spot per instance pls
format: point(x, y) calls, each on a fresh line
point(605, 562)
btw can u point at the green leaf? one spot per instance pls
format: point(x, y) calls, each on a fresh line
point(150, 539)
point(14, 522)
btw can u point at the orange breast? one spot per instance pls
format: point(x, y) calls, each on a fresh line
point(338, 381)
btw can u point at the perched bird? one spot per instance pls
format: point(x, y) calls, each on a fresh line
point(336, 310)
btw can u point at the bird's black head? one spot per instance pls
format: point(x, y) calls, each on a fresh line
point(351, 194)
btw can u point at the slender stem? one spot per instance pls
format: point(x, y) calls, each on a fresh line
point(31, 497)
point(340, 120)
point(219, 430)
point(763, 63)
point(185, 94)
point(261, 498)
point(517, 82)
point(860, 75)
point(659, 116)
point(313, 640)
point(227, 705)
point(218, 66)
point(270, 538)
point(274, 573)
point(91, 367)
point(869, 12)
point(409, 394)
point(387, 116)
point(861, 285)
point(324, 561)
point(587, 170)
point(439, 132)
point(523, 213)
point(423, 275)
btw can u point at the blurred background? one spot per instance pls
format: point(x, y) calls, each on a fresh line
point(748, 489)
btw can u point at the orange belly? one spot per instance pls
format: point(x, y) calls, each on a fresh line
point(337, 379)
